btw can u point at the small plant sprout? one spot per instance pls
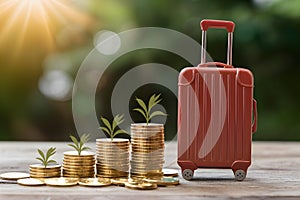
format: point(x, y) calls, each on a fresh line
point(44, 158)
point(79, 145)
point(110, 129)
point(146, 110)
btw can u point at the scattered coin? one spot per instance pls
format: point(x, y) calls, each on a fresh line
point(140, 186)
point(14, 175)
point(170, 172)
point(30, 182)
point(164, 181)
point(95, 182)
point(119, 181)
point(62, 181)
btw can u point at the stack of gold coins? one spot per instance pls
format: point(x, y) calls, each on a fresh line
point(147, 150)
point(80, 166)
point(40, 171)
point(112, 157)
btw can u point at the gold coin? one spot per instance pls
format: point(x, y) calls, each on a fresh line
point(65, 171)
point(111, 176)
point(122, 169)
point(112, 153)
point(113, 167)
point(147, 141)
point(14, 175)
point(81, 168)
point(112, 156)
point(79, 159)
point(78, 176)
point(106, 164)
point(62, 181)
point(147, 144)
point(30, 182)
point(103, 150)
point(170, 172)
point(146, 168)
point(112, 146)
point(147, 158)
point(44, 174)
point(145, 125)
point(112, 172)
point(147, 133)
point(112, 162)
point(147, 174)
point(137, 148)
point(95, 182)
point(78, 172)
point(140, 186)
point(115, 140)
point(42, 167)
point(76, 165)
point(164, 181)
point(44, 170)
point(154, 154)
point(79, 162)
point(75, 154)
point(119, 181)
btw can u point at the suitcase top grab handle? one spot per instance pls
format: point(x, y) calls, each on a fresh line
point(228, 25)
point(209, 23)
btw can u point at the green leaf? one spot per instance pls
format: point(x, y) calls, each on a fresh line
point(142, 104)
point(119, 119)
point(50, 152)
point(51, 161)
point(85, 138)
point(74, 146)
point(40, 159)
point(141, 111)
point(106, 123)
point(119, 132)
point(153, 101)
point(41, 154)
point(106, 130)
point(85, 148)
point(74, 139)
point(155, 113)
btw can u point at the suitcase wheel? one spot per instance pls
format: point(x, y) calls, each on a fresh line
point(188, 174)
point(240, 175)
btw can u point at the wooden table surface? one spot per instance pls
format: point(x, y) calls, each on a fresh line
point(274, 174)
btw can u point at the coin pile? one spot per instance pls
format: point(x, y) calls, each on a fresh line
point(40, 171)
point(112, 157)
point(82, 166)
point(147, 150)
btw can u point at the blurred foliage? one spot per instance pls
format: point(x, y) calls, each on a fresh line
point(266, 40)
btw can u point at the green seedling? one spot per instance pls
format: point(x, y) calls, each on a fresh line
point(110, 128)
point(79, 145)
point(45, 158)
point(146, 110)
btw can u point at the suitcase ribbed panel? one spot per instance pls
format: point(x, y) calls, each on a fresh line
point(234, 142)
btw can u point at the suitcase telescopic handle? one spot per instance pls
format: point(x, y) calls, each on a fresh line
point(208, 23)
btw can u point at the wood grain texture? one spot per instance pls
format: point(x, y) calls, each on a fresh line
point(274, 174)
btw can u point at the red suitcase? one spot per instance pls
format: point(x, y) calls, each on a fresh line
point(215, 112)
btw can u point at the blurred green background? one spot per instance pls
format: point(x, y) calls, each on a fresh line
point(43, 43)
